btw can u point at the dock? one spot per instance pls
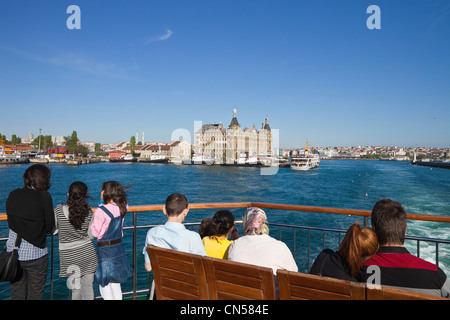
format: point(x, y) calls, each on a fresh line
point(435, 164)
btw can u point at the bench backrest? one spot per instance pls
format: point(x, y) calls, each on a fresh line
point(302, 286)
point(387, 293)
point(229, 280)
point(184, 276)
point(177, 275)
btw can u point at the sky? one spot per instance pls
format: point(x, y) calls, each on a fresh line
point(314, 68)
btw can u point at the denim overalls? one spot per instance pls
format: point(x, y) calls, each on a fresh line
point(112, 261)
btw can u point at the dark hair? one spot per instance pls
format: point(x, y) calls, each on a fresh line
point(222, 223)
point(78, 206)
point(176, 203)
point(204, 228)
point(37, 177)
point(389, 222)
point(112, 190)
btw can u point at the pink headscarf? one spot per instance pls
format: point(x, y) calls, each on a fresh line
point(255, 221)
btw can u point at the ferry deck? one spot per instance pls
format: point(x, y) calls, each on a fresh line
point(297, 237)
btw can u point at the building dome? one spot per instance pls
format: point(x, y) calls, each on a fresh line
point(266, 125)
point(234, 122)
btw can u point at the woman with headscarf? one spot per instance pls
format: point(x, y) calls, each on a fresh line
point(257, 247)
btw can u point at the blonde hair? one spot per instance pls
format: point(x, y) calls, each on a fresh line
point(359, 244)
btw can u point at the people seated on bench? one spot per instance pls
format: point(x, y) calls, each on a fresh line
point(257, 247)
point(358, 245)
point(217, 231)
point(393, 265)
point(173, 234)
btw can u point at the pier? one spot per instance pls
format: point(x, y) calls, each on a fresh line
point(435, 164)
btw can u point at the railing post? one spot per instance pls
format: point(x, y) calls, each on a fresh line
point(437, 253)
point(309, 248)
point(51, 268)
point(134, 254)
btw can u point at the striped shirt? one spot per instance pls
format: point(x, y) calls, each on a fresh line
point(76, 251)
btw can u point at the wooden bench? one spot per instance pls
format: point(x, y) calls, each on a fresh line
point(302, 286)
point(177, 275)
point(229, 280)
point(184, 276)
point(387, 293)
point(296, 285)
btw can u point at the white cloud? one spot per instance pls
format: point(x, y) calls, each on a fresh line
point(163, 37)
point(77, 62)
point(167, 35)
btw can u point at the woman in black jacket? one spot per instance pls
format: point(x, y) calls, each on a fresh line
point(30, 216)
point(359, 244)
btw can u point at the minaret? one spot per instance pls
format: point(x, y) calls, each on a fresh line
point(137, 136)
point(143, 143)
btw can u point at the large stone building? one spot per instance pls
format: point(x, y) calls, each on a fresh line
point(229, 144)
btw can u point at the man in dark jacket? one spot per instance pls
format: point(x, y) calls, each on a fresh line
point(393, 265)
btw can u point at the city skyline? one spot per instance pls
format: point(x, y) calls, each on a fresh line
point(315, 69)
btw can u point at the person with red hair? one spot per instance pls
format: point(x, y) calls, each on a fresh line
point(358, 245)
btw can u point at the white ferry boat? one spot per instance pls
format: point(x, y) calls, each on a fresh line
point(11, 158)
point(304, 163)
point(307, 162)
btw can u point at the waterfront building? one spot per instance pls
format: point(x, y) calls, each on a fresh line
point(117, 154)
point(230, 144)
point(156, 149)
point(175, 149)
point(122, 145)
point(180, 150)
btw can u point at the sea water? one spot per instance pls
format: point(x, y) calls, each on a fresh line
point(348, 184)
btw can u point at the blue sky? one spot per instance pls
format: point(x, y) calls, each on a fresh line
point(313, 67)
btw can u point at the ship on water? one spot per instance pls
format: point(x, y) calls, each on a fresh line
point(307, 162)
point(158, 158)
point(126, 158)
point(199, 159)
point(6, 158)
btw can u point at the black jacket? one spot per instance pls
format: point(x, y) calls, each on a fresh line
point(30, 215)
point(330, 264)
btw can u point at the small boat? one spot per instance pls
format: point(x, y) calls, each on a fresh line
point(40, 158)
point(284, 163)
point(159, 158)
point(127, 158)
point(73, 162)
point(243, 161)
point(267, 160)
point(252, 161)
point(200, 159)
